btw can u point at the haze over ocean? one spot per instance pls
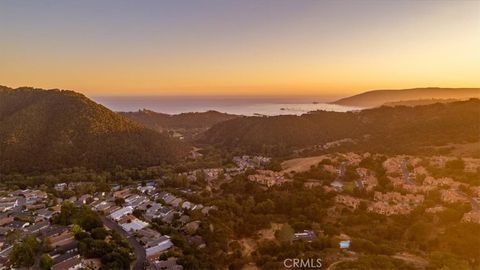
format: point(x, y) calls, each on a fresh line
point(242, 105)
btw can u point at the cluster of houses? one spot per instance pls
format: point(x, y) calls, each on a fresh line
point(348, 201)
point(131, 208)
point(245, 162)
point(471, 164)
point(452, 196)
point(268, 178)
point(29, 212)
point(472, 216)
point(391, 203)
point(401, 172)
point(366, 179)
point(337, 143)
point(211, 175)
point(153, 204)
point(394, 203)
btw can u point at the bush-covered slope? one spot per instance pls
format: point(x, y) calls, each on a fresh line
point(390, 129)
point(49, 129)
point(191, 120)
point(379, 97)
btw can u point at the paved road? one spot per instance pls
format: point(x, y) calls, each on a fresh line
point(417, 261)
point(473, 202)
point(140, 256)
point(333, 265)
point(406, 173)
point(341, 172)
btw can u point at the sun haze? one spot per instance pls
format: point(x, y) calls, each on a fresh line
point(239, 47)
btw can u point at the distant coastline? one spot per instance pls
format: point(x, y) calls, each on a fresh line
point(248, 106)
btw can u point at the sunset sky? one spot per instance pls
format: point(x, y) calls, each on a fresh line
point(300, 47)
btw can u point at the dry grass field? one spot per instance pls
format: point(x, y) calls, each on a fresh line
point(301, 164)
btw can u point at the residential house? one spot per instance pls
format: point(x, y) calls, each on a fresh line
point(4, 220)
point(64, 238)
point(197, 241)
point(384, 208)
point(472, 216)
point(452, 196)
point(34, 196)
point(32, 207)
point(349, 201)
point(337, 185)
point(124, 193)
point(306, 235)
point(186, 205)
point(133, 225)
point(60, 186)
point(146, 235)
point(121, 212)
point(176, 202)
point(37, 227)
point(153, 252)
point(170, 264)
point(207, 209)
point(268, 178)
point(45, 213)
point(191, 227)
point(8, 203)
point(146, 189)
point(169, 198)
point(19, 224)
point(84, 198)
point(73, 263)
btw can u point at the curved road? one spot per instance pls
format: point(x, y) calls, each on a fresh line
point(333, 265)
point(140, 256)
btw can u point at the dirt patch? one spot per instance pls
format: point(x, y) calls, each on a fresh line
point(269, 234)
point(250, 266)
point(301, 164)
point(249, 245)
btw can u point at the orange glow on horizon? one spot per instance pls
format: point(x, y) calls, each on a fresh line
point(436, 48)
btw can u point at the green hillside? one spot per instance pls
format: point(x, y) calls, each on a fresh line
point(191, 120)
point(50, 129)
point(387, 129)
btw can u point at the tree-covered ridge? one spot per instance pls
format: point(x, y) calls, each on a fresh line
point(191, 120)
point(49, 129)
point(386, 129)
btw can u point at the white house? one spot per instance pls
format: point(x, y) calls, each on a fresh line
point(134, 225)
point(121, 212)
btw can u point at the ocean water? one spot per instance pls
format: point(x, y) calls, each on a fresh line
point(234, 105)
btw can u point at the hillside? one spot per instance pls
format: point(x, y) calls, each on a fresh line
point(417, 102)
point(191, 120)
point(387, 129)
point(379, 97)
point(50, 129)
